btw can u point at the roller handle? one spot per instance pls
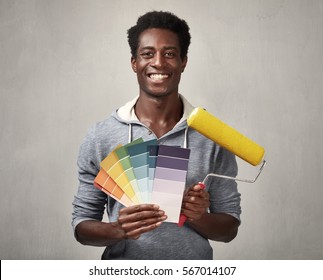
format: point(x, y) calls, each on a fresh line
point(182, 217)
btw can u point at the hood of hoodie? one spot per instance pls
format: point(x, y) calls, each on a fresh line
point(126, 114)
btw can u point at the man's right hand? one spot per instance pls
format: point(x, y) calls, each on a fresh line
point(138, 219)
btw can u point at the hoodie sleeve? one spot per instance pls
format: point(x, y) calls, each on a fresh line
point(224, 195)
point(89, 202)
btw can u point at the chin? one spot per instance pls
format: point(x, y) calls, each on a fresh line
point(158, 94)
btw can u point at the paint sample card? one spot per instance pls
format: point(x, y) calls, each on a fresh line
point(106, 184)
point(153, 153)
point(113, 166)
point(124, 159)
point(139, 155)
point(169, 180)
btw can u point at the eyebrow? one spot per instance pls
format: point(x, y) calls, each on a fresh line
point(153, 48)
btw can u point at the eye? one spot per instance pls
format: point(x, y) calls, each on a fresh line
point(147, 54)
point(170, 54)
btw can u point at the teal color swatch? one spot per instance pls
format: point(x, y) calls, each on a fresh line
point(139, 157)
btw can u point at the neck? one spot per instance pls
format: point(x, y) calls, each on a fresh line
point(159, 114)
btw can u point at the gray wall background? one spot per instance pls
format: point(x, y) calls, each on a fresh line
point(256, 64)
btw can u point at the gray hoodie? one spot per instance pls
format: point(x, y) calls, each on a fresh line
point(168, 241)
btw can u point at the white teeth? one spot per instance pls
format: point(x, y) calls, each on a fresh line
point(158, 76)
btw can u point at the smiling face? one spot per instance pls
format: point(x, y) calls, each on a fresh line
point(158, 63)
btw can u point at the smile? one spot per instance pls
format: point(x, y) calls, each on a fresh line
point(158, 77)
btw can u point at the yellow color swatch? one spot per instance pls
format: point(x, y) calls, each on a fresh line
point(112, 166)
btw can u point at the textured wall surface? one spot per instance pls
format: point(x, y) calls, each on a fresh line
point(256, 64)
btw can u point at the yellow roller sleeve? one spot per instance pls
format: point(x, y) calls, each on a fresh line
point(226, 136)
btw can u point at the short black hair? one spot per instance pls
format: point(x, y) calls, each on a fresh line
point(162, 20)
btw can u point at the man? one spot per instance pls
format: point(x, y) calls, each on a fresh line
point(159, 44)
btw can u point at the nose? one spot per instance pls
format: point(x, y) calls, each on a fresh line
point(157, 60)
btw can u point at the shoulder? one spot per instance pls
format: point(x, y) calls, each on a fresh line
point(102, 137)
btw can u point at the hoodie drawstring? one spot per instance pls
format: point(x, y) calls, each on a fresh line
point(129, 133)
point(185, 138)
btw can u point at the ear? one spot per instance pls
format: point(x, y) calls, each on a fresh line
point(184, 63)
point(133, 64)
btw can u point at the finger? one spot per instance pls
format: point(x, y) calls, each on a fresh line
point(192, 203)
point(139, 216)
point(128, 227)
point(135, 222)
point(195, 207)
point(196, 190)
point(193, 214)
point(197, 200)
point(135, 230)
point(200, 193)
point(199, 186)
point(139, 208)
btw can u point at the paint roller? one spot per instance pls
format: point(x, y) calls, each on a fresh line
point(228, 138)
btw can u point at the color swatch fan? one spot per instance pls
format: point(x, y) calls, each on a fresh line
point(144, 172)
